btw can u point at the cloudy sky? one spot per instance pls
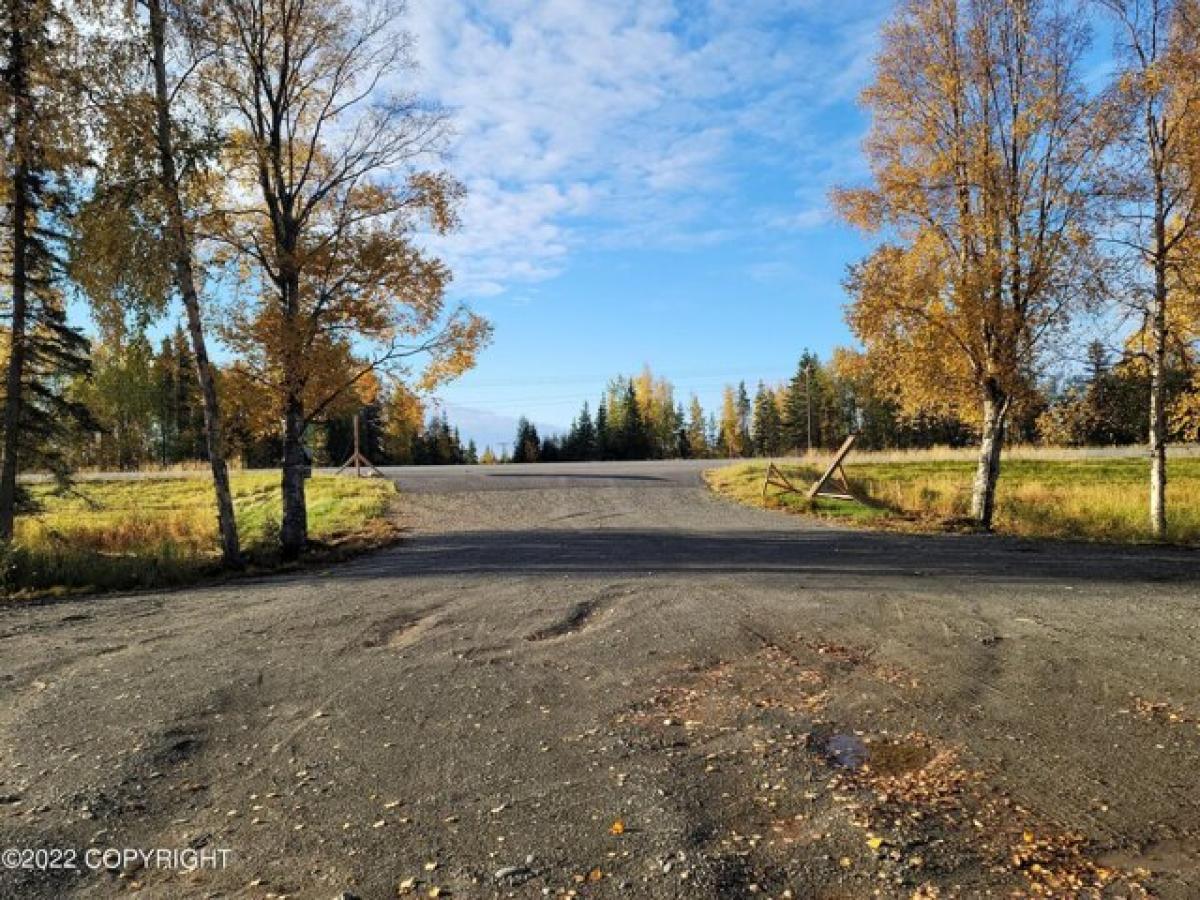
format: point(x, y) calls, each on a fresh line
point(647, 184)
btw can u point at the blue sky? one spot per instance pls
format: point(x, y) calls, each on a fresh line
point(647, 183)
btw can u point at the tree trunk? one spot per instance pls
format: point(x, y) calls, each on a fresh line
point(293, 537)
point(1158, 411)
point(185, 279)
point(15, 376)
point(987, 473)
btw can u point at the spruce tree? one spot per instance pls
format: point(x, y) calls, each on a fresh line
point(40, 152)
point(744, 418)
point(371, 438)
point(767, 424)
point(189, 413)
point(527, 447)
point(799, 409)
point(635, 435)
point(447, 442)
point(585, 435)
point(164, 388)
point(665, 436)
point(603, 438)
point(682, 447)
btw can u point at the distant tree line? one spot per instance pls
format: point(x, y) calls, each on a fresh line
point(639, 417)
point(142, 407)
point(396, 433)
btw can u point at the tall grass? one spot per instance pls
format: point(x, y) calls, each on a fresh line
point(1089, 499)
point(158, 532)
point(1018, 452)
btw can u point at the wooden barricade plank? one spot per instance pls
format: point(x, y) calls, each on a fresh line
point(776, 479)
point(835, 473)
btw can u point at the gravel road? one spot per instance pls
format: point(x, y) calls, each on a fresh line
point(607, 682)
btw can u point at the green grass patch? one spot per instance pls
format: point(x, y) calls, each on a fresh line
point(1101, 499)
point(106, 535)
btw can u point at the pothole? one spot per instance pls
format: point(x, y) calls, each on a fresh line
point(576, 619)
point(884, 757)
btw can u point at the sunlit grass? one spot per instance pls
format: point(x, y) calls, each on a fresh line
point(1089, 499)
point(1014, 453)
point(156, 532)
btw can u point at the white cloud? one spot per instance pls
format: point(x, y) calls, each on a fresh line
point(767, 272)
point(803, 219)
point(617, 122)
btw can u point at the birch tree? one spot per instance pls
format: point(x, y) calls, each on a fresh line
point(156, 141)
point(333, 165)
point(180, 243)
point(1154, 189)
point(982, 148)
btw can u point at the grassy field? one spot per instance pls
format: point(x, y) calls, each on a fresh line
point(158, 532)
point(1088, 499)
point(1013, 452)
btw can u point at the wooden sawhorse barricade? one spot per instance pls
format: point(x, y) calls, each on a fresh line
point(835, 477)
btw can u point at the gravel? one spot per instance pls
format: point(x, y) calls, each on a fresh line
point(495, 688)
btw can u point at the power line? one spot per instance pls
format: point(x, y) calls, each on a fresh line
point(678, 377)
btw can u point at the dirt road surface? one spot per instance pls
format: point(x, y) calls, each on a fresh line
point(601, 682)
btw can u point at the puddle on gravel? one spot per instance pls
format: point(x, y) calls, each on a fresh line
point(886, 758)
point(848, 751)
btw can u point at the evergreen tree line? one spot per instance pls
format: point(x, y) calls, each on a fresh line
point(141, 406)
point(387, 442)
point(824, 401)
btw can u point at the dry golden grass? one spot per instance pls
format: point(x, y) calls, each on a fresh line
point(1088, 499)
point(197, 467)
point(154, 532)
point(820, 458)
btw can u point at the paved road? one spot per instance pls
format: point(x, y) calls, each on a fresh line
point(668, 473)
point(534, 476)
point(764, 705)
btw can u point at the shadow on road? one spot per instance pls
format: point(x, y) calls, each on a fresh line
point(576, 476)
point(833, 553)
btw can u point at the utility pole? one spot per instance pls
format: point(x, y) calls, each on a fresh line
point(357, 459)
point(808, 399)
point(357, 450)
